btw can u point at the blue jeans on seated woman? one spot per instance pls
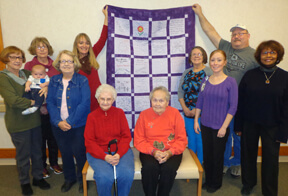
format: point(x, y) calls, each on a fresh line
point(104, 174)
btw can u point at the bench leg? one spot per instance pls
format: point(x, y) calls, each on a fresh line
point(199, 188)
point(85, 192)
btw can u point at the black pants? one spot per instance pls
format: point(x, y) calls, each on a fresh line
point(154, 173)
point(270, 157)
point(47, 135)
point(28, 144)
point(213, 155)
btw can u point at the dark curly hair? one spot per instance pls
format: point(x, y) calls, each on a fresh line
point(273, 45)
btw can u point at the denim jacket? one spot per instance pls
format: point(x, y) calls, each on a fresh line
point(77, 97)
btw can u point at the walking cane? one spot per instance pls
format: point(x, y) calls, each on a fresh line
point(114, 141)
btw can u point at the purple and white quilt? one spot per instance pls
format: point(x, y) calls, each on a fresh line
point(145, 49)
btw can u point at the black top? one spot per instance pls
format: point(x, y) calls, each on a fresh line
point(266, 104)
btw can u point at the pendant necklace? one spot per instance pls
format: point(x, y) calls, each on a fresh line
point(268, 79)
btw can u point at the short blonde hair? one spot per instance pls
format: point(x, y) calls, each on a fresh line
point(106, 88)
point(76, 63)
point(4, 55)
point(38, 67)
point(91, 56)
point(36, 42)
point(160, 88)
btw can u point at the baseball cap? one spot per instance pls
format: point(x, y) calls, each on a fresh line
point(239, 26)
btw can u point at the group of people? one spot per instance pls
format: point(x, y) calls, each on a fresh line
point(58, 123)
point(242, 96)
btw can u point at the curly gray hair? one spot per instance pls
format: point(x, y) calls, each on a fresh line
point(106, 88)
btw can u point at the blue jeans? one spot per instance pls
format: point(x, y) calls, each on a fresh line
point(71, 143)
point(34, 95)
point(194, 139)
point(104, 174)
point(237, 148)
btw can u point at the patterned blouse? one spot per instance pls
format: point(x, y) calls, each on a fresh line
point(191, 86)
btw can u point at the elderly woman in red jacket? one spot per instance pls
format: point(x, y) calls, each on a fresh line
point(103, 125)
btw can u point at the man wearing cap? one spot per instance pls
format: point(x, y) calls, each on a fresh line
point(240, 58)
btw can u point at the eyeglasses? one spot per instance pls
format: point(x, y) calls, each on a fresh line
point(41, 47)
point(272, 53)
point(158, 100)
point(64, 62)
point(105, 99)
point(14, 58)
point(196, 54)
point(239, 34)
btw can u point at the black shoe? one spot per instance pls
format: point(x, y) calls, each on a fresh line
point(41, 183)
point(81, 187)
point(204, 186)
point(26, 189)
point(67, 186)
point(246, 190)
point(212, 189)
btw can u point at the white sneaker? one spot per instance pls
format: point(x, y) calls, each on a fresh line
point(225, 169)
point(29, 110)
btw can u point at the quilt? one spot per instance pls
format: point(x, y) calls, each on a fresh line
point(145, 49)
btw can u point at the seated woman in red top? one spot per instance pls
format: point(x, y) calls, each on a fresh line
point(103, 125)
point(87, 56)
point(160, 137)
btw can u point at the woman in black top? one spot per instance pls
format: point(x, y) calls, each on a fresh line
point(263, 112)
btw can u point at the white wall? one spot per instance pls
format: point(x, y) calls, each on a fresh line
point(61, 20)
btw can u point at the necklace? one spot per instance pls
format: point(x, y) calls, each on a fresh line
point(268, 79)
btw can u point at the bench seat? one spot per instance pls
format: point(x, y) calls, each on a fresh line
point(190, 168)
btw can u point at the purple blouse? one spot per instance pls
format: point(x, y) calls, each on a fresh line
point(216, 101)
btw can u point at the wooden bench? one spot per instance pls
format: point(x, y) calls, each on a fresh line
point(190, 168)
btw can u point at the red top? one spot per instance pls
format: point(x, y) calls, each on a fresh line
point(93, 77)
point(50, 70)
point(101, 42)
point(166, 130)
point(102, 127)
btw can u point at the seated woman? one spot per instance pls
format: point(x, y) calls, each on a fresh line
point(68, 103)
point(160, 137)
point(103, 125)
point(263, 113)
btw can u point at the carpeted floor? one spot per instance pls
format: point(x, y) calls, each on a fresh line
point(9, 185)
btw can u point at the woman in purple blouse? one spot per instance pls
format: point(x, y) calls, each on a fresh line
point(217, 103)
